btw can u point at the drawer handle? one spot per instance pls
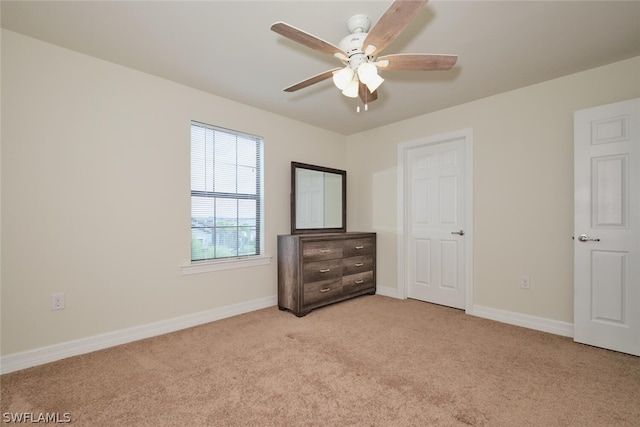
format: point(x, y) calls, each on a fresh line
point(357, 282)
point(322, 291)
point(325, 270)
point(324, 251)
point(359, 247)
point(359, 264)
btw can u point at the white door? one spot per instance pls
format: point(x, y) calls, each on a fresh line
point(607, 226)
point(436, 232)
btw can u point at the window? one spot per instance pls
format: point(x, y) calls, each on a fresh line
point(226, 193)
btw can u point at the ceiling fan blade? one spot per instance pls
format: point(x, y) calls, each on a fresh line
point(417, 62)
point(365, 95)
point(394, 20)
point(306, 39)
point(311, 80)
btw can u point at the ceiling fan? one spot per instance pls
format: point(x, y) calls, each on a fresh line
point(359, 51)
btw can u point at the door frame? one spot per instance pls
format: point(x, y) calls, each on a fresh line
point(403, 149)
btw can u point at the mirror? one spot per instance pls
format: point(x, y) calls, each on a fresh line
point(318, 199)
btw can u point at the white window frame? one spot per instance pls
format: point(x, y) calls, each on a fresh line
point(242, 261)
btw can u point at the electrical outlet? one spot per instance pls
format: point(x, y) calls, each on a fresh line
point(57, 301)
point(525, 282)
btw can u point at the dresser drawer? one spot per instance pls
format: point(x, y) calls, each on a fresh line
point(318, 251)
point(322, 270)
point(357, 264)
point(357, 282)
point(355, 247)
point(322, 291)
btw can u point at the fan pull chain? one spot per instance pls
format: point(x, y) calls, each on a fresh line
point(366, 104)
point(366, 100)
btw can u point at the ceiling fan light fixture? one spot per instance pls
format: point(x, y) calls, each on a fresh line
point(374, 83)
point(352, 89)
point(358, 52)
point(367, 72)
point(343, 77)
point(383, 63)
point(341, 56)
point(369, 50)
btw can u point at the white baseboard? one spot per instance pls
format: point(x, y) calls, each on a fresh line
point(518, 319)
point(39, 356)
point(386, 291)
point(527, 321)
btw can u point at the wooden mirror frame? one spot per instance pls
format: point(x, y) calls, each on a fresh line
point(343, 174)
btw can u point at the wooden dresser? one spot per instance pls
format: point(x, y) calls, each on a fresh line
point(315, 270)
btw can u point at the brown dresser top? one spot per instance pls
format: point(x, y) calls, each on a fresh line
point(330, 236)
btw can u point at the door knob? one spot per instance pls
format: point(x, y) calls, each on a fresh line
point(585, 238)
point(461, 232)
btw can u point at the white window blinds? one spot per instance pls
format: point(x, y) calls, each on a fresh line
point(226, 193)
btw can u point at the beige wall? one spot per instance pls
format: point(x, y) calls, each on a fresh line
point(523, 185)
point(95, 195)
point(95, 192)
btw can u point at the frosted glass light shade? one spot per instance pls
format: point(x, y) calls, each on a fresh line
point(341, 78)
point(374, 83)
point(367, 72)
point(352, 89)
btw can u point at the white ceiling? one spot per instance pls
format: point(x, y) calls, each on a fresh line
point(227, 48)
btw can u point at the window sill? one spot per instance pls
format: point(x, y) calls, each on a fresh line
point(227, 264)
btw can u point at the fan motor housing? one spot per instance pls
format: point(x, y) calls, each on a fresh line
point(358, 26)
point(353, 42)
point(352, 46)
